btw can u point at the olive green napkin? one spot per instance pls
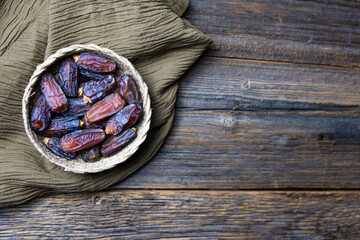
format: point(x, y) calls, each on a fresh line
point(150, 33)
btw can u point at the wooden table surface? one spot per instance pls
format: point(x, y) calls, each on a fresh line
point(265, 144)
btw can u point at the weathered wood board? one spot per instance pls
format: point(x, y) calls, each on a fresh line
point(186, 215)
point(320, 32)
point(224, 149)
point(265, 143)
point(225, 83)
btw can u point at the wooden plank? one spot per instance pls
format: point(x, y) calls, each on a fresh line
point(186, 215)
point(321, 32)
point(225, 149)
point(221, 83)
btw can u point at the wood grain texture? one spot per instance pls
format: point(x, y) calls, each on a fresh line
point(186, 215)
point(224, 83)
point(224, 149)
point(240, 125)
point(321, 32)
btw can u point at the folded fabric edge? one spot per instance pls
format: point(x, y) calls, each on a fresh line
point(177, 6)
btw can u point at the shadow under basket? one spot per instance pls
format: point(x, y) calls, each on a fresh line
point(77, 165)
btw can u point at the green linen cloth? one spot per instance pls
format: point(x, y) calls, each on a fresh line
point(150, 33)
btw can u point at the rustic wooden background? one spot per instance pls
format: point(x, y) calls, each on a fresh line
point(266, 141)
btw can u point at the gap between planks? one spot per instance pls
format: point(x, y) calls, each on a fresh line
point(345, 109)
point(251, 190)
point(206, 55)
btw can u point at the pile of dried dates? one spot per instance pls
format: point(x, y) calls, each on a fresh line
point(85, 108)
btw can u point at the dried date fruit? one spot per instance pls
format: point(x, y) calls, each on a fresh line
point(53, 93)
point(82, 86)
point(61, 126)
point(77, 107)
point(54, 145)
point(128, 89)
point(105, 108)
point(125, 118)
point(99, 124)
point(94, 63)
point(91, 75)
point(81, 139)
point(118, 142)
point(91, 154)
point(96, 90)
point(40, 114)
point(68, 77)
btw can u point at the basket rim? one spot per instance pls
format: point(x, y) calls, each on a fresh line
point(105, 162)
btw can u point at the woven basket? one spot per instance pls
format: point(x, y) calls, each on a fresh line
point(77, 165)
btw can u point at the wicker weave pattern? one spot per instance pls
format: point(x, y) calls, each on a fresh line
point(78, 165)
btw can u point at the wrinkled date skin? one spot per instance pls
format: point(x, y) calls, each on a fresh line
point(81, 139)
point(54, 145)
point(124, 119)
point(40, 114)
point(91, 75)
point(77, 107)
point(68, 77)
point(128, 88)
point(53, 93)
point(61, 126)
point(96, 90)
point(94, 63)
point(82, 86)
point(91, 154)
point(115, 143)
point(100, 124)
point(105, 108)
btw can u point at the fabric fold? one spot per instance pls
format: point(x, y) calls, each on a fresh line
point(177, 6)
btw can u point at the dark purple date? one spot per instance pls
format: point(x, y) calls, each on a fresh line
point(91, 154)
point(96, 90)
point(115, 143)
point(128, 89)
point(77, 107)
point(61, 126)
point(94, 63)
point(53, 93)
point(99, 124)
point(91, 75)
point(105, 108)
point(81, 139)
point(54, 145)
point(82, 86)
point(68, 77)
point(40, 114)
point(124, 119)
